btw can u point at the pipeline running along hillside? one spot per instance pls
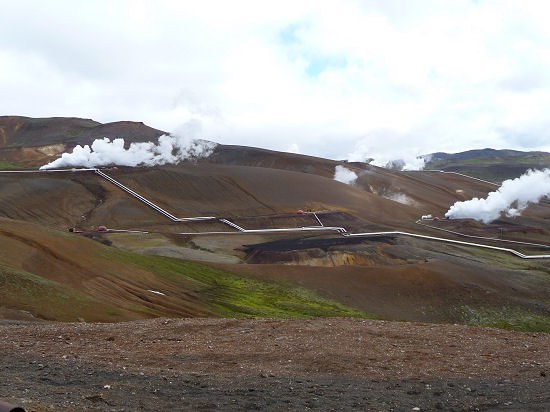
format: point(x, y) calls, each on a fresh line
point(342, 231)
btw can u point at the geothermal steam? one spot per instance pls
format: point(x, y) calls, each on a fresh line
point(169, 149)
point(344, 175)
point(512, 198)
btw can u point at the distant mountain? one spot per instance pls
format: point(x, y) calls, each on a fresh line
point(489, 164)
point(19, 131)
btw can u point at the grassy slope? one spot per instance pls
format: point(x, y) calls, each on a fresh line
point(509, 316)
point(80, 278)
point(505, 317)
point(494, 168)
point(43, 298)
point(233, 295)
point(10, 166)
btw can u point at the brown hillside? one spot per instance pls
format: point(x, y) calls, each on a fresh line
point(19, 131)
point(59, 276)
point(37, 141)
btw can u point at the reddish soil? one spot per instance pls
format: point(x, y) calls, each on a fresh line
point(190, 364)
point(433, 291)
point(20, 131)
point(195, 364)
point(394, 278)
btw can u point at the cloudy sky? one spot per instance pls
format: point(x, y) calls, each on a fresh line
point(339, 79)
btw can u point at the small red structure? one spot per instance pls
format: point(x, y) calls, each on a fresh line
point(436, 219)
point(102, 229)
point(300, 212)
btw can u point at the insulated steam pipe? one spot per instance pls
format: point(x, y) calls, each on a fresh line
point(149, 203)
point(441, 239)
point(340, 230)
point(493, 239)
point(456, 173)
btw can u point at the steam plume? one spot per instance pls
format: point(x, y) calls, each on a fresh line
point(344, 175)
point(103, 152)
point(512, 198)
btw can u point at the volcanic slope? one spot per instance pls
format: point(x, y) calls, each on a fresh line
point(46, 274)
point(390, 277)
point(202, 189)
point(36, 141)
point(428, 192)
point(494, 165)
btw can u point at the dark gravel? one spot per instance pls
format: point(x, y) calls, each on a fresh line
point(69, 386)
point(229, 364)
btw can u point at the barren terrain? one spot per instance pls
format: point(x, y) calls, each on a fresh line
point(190, 364)
point(142, 301)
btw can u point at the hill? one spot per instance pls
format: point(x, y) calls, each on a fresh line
point(77, 248)
point(19, 131)
point(489, 164)
point(391, 277)
point(27, 141)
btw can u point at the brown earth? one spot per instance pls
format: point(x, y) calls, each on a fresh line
point(19, 131)
point(195, 364)
point(230, 191)
point(37, 141)
point(320, 364)
point(413, 280)
point(391, 277)
point(67, 276)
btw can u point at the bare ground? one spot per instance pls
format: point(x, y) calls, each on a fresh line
point(322, 364)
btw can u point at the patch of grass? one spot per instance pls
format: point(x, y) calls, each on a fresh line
point(111, 312)
point(43, 298)
point(232, 295)
point(510, 261)
point(11, 166)
point(506, 317)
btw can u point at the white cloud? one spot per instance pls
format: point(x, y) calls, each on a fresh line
point(337, 77)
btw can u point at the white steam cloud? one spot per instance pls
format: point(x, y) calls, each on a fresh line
point(399, 198)
point(385, 148)
point(404, 163)
point(103, 152)
point(344, 175)
point(512, 198)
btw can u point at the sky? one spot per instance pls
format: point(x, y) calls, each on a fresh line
point(383, 79)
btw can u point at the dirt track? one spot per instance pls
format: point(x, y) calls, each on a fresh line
point(272, 364)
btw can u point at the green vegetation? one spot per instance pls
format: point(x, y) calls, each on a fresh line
point(535, 269)
point(501, 157)
point(11, 166)
point(501, 165)
point(44, 298)
point(232, 295)
point(507, 317)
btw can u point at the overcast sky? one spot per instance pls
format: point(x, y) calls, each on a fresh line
point(338, 79)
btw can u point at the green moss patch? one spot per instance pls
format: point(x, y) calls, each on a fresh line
point(11, 166)
point(41, 297)
point(233, 295)
point(506, 317)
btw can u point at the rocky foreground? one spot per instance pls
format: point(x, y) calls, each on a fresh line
point(205, 364)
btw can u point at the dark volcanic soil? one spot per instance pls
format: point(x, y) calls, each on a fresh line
point(321, 364)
